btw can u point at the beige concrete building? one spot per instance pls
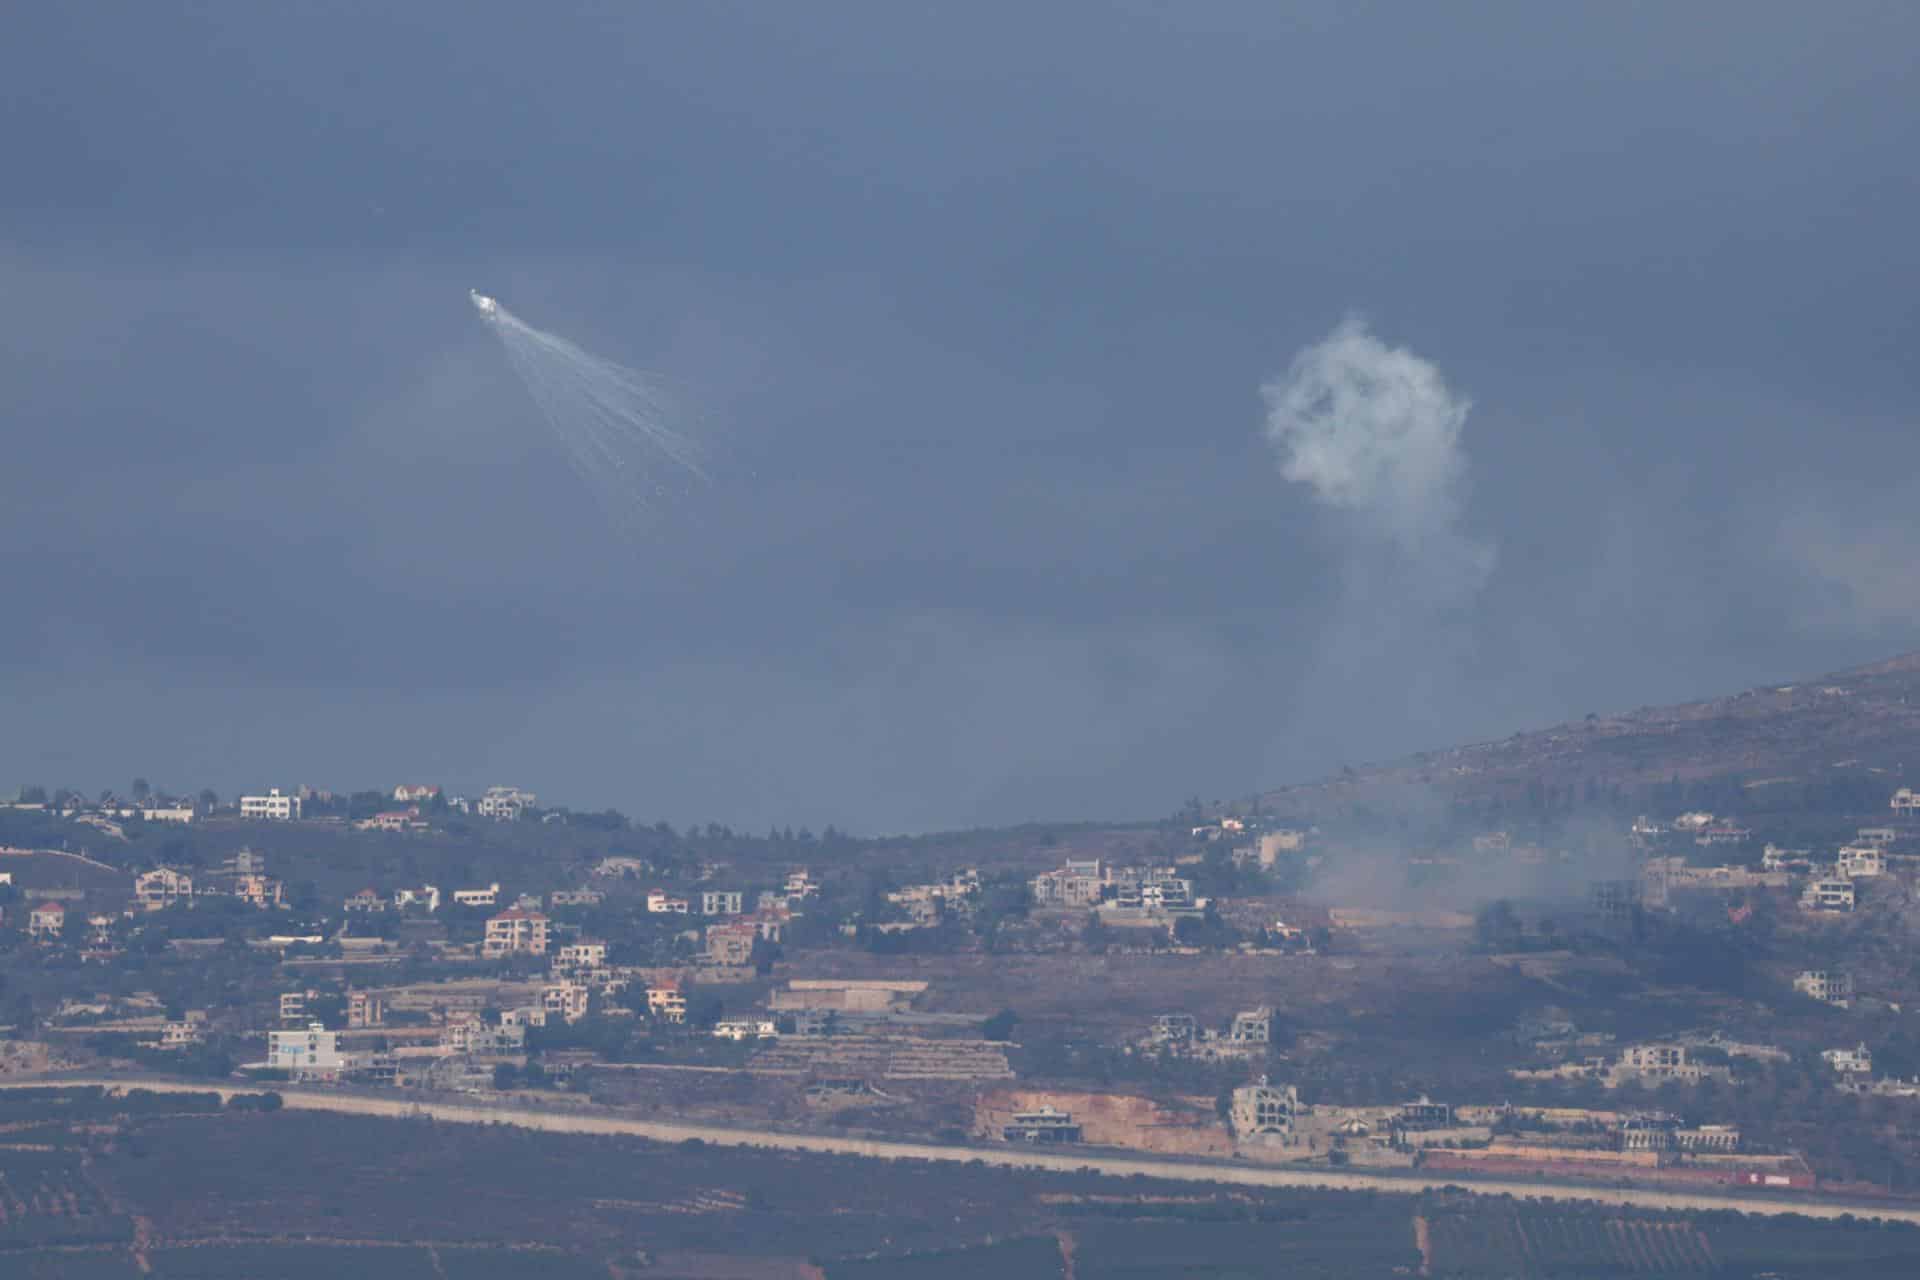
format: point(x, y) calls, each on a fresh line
point(160, 888)
point(1264, 1109)
point(515, 932)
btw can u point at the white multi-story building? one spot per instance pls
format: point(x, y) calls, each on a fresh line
point(1078, 883)
point(274, 806)
point(179, 813)
point(185, 1032)
point(1830, 986)
point(366, 902)
point(487, 897)
point(1906, 800)
point(160, 888)
point(568, 1000)
point(1662, 1062)
point(1251, 1026)
point(721, 902)
point(505, 804)
point(414, 794)
point(1828, 895)
point(1775, 858)
point(580, 957)
point(659, 900)
point(1855, 861)
point(737, 1029)
point(1857, 1061)
point(426, 895)
point(314, 1051)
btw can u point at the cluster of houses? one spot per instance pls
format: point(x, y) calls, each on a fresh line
point(1179, 1035)
point(1254, 842)
point(502, 804)
point(1644, 1064)
point(1826, 884)
point(1121, 895)
point(929, 904)
point(241, 878)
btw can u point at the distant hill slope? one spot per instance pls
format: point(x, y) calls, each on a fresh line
point(1859, 721)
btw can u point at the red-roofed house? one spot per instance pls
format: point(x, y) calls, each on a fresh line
point(46, 921)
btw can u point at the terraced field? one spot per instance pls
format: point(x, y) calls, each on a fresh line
point(884, 1057)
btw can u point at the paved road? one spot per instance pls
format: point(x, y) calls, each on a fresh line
point(601, 1122)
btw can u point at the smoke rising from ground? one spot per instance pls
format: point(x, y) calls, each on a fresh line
point(1374, 432)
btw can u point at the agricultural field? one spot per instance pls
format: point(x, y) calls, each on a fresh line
point(1469, 1237)
point(180, 1187)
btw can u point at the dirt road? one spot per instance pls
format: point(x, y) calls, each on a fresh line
point(598, 1121)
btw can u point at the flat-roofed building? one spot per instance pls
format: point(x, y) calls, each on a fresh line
point(1043, 1125)
point(1830, 894)
point(365, 1009)
point(732, 942)
point(505, 804)
point(515, 932)
point(666, 1001)
point(162, 887)
point(566, 1000)
point(1855, 861)
point(1252, 1026)
point(275, 806)
point(1829, 986)
point(314, 1051)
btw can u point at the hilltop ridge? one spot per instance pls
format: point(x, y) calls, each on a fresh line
point(1861, 720)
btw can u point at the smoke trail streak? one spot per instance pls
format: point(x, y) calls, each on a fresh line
point(610, 421)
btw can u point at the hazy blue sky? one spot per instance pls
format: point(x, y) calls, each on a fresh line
point(979, 301)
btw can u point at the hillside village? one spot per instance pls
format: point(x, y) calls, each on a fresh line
point(1212, 985)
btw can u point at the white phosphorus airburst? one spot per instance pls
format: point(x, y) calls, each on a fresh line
point(612, 422)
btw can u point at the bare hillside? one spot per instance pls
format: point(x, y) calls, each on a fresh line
point(1866, 719)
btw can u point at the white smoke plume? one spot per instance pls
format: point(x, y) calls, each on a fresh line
point(1375, 431)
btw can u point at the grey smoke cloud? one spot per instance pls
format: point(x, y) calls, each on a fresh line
point(1374, 431)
